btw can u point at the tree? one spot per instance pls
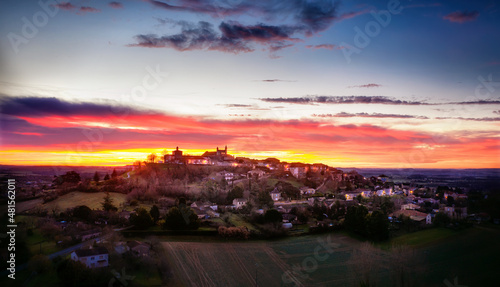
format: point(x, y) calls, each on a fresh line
point(152, 157)
point(441, 219)
point(71, 177)
point(265, 198)
point(155, 213)
point(114, 174)
point(288, 189)
point(82, 212)
point(387, 206)
point(236, 192)
point(137, 164)
point(96, 177)
point(181, 217)
point(106, 177)
point(142, 219)
point(365, 265)
point(107, 204)
point(355, 219)
point(378, 226)
point(273, 216)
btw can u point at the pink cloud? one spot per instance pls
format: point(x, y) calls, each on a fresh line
point(462, 16)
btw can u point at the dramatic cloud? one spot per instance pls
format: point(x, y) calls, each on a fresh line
point(193, 37)
point(42, 107)
point(304, 18)
point(462, 16)
point(57, 131)
point(116, 5)
point(372, 85)
point(233, 37)
point(367, 100)
point(313, 16)
point(366, 115)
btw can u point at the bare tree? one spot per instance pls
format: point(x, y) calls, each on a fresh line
point(364, 264)
point(152, 158)
point(406, 266)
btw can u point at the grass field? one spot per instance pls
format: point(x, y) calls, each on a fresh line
point(421, 238)
point(469, 255)
point(72, 199)
point(237, 221)
point(46, 246)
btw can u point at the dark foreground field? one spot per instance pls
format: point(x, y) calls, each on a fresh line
point(436, 257)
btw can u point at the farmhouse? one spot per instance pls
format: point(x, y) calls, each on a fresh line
point(92, 258)
point(413, 215)
point(239, 202)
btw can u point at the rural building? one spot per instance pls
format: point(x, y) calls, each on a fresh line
point(239, 202)
point(413, 215)
point(92, 258)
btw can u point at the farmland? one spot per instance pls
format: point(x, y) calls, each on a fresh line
point(467, 255)
point(70, 200)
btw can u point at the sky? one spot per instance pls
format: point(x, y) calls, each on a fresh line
point(401, 84)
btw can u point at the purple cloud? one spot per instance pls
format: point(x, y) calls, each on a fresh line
point(232, 37)
point(65, 6)
point(85, 9)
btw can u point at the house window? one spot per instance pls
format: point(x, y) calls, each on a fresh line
point(91, 258)
point(100, 257)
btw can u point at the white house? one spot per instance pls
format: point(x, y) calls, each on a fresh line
point(413, 215)
point(228, 176)
point(92, 258)
point(239, 202)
